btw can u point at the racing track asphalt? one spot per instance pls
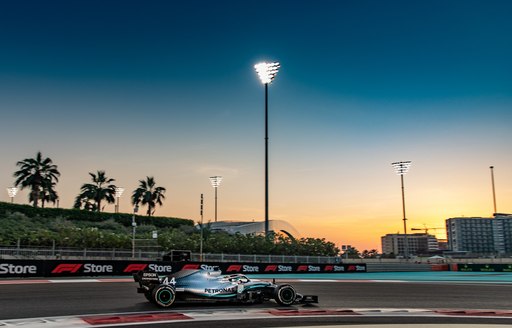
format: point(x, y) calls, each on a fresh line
point(61, 299)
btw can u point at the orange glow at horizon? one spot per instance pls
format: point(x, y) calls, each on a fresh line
point(320, 207)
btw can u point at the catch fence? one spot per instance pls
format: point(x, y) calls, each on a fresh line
point(69, 253)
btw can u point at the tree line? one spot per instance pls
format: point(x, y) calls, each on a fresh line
point(58, 227)
point(40, 175)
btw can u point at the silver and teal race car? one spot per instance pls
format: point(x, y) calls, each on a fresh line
point(211, 286)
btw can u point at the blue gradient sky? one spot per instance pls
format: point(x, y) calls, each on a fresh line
point(167, 88)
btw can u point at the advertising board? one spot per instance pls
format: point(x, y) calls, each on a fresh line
point(483, 267)
point(91, 268)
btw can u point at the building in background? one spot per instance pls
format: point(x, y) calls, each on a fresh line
point(472, 234)
point(502, 232)
point(418, 244)
point(479, 235)
point(443, 244)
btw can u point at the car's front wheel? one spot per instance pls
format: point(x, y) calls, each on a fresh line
point(285, 295)
point(163, 295)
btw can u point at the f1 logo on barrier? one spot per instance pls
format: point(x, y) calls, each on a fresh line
point(67, 267)
point(135, 267)
point(271, 268)
point(334, 268)
point(190, 267)
point(234, 268)
point(278, 268)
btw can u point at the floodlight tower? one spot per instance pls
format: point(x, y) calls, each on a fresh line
point(201, 240)
point(267, 72)
point(493, 190)
point(12, 191)
point(119, 193)
point(215, 181)
point(402, 168)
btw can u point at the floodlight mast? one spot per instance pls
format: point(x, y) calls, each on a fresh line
point(215, 181)
point(493, 189)
point(201, 241)
point(118, 193)
point(12, 191)
point(402, 168)
point(267, 73)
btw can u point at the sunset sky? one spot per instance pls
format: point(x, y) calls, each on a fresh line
point(168, 89)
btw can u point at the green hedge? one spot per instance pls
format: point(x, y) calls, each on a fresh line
point(82, 215)
point(77, 228)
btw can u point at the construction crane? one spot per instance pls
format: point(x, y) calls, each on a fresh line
point(426, 229)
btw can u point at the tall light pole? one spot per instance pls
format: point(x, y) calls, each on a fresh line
point(267, 72)
point(201, 241)
point(493, 190)
point(134, 228)
point(119, 193)
point(12, 191)
point(402, 168)
point(215, 181)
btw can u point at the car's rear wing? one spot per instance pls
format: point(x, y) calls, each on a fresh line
point(146, 277)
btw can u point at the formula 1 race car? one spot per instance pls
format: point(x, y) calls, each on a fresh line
point(210, 286)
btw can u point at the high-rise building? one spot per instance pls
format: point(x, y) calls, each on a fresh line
point(418, 243)
point(480, 235)
point(472, 234)
point(502, 232)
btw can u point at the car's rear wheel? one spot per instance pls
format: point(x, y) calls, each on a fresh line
point(163, 295)
point(285, 295)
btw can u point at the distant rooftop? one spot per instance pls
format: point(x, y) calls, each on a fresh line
point(501, 214)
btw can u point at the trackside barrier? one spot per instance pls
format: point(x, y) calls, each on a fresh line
point(22, 252)
point(482, 267)
point(81, 268)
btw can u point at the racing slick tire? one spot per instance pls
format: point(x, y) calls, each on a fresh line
point(285, 295)
point(163, 296)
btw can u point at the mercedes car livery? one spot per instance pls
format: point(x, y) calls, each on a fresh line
point(210, 286)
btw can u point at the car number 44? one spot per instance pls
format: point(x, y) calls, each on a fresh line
point(167, 281)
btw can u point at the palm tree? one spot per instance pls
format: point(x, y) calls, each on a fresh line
point(148, 194)
point(85, 204)
point(48, 193)
point(92, 194)
point(35, 173)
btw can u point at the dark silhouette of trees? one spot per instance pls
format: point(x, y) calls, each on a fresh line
point(40, 175)
point(92, 194)
point(148, 194)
